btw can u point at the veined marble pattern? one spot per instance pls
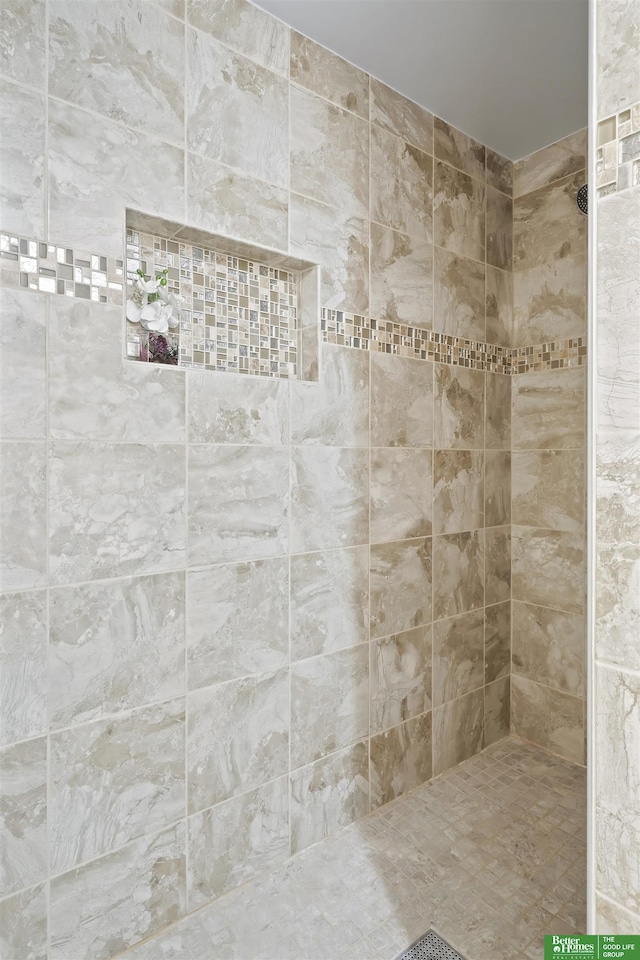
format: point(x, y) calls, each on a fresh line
point(458, 560)
point(612, 919)
point(323, 72)
point(401, 402)
point(401, 494)
point(499, 229)
point(458, 656)
point(458, 408)
point(559, 160)
point(237, 410)
point(22, 157)
point(400, 579)
point(497, 564)
point(400, 759)
point(497, 642)
point(497, 428)
point(458, 212)
point(548, 568)
point(23, 815)
point(115, 646)
point(23, 924)
point(548, 488)
point(549, 646)
point(22, 365)
point(400, 677)
point(23, 42)
point(245, 28)
point(401, 185)
point(459, 295)
point(458, 150)
point(549, 410)
point(499, 172)
point(499, 306)
point(617, 70)
point(458, 490)
point(237, 621)
point(497, 711)
point(552, 718)
point(23, 555)
point(334, 411)
point(497, 488)
point(458, 729)
point(401, 278)
point(329, 502)
point(396, 114)
point(23, 666)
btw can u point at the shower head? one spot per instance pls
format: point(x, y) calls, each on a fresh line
point(582, 199)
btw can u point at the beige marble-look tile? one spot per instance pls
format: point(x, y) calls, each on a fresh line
point(400, 580)
point(401, 185)
point(458, 656)
point(549, 410)
point(329, 601)
point(458, 490)
point(497, 641)
point(617, 70)
point(400, 677)
point(457, 730)
point(614, 920)
point(328, 795)
point(108, 905)
point(497, 412)
point(245, 28)
point(549, 646)
point(459, 295)
point(499, 172)
point(401, 401)
point(458, 212)
point(458, 563)
point(549, 264)
point(329, 703)
point(339, 241)
point(400, 759)
point(23, 554)
point(499, 229)
point(23, 815)
point(319, 70)
point(249, 104)
point(497, 488)
point(335, 411)
point(237, 737)
point(549, 568)
point(497, 711)
point(458, 150)
point(93, 393)
point(458, 407)
point(497, 564)
point(558, 160)
point(401, 494)
point(237, 621)
point(100, 524)
point(23, 666)
point(499, 307)
point(237, 840)
point(23, 42)
point(235, 204)
point(329, 153)
point(23, 924)
point(102, 55)
point(396, 114)
point(22, 160)
point(401, 278)
point(548, 488)
point(237, 409)
point(23, 319)
point(238, 503)
point(548, 717)
point(115, 646)
point(329, 498)
point(115, 780)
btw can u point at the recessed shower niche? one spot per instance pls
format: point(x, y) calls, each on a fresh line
point(241, 308)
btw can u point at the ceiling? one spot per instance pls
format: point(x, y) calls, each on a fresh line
point(511, 73)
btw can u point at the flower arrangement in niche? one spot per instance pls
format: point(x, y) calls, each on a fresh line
point(152, 305)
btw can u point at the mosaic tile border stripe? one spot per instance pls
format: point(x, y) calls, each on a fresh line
point(231, 326)
point(618, 151)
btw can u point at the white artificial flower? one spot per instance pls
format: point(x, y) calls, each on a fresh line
point(133, 311)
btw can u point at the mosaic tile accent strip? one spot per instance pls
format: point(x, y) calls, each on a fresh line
point(618, 152)
point(554, 355)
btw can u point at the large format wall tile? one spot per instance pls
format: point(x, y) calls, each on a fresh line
point(329, 703)
point(396, 114)
point(23, 815)
point(329, 153)
point(549, 717)
point(23, 666)
point(329, 502)
point(401, 402)
point(498, 308)
point(238, 503)
point(497, 412)
point(614, 920)
point(401, 278)
point(457, 730)
point(335, 411)
point(110, 904)
point(329, 601)
point(400, 678)
point(499, 229)
point(549, 646)
point(244, 27)
point(116, 509)
point(458, 563)
point(548, 568)
point(458, 490)
point(23, 538)
point(401, 494)
point(323, 72)
point(237, 409)
point(250, 106)
point(459, 295)
point(23, 924)
point(22, 159)
point(115, 780)
point(458, 656)
point(237, 621)
point(458, 212)
point(237, 737)
point(497, 488)
point(23, 316)
point(458, 407)
point(236, 840)
point(554, 162)
point(101, 56)
point(23, 42)
point(400, 580)
point(499, 172)
point(549, 410)
point(458, 150)
point(115, 646)
point(329, 794)
point(497, 564)
point(548, 488)
point(401, 185)
point(497, 711)
point(497, 641)
point(400, 759)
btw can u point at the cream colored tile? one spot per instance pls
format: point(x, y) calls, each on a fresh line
point(401, 494)
point(329, 498)
point(458, 490)
point(23, 42)
point(459, 150)
point(401, 401)
point(400, 759)
point(497, 711)
point(499, 230)
point(499, 172)
point(401, 278)
point(400, 677)
point(401, 185)
point(498, 412)
point(549, 410)
point(318, 69)
point(335, 411)
point(499, 307)
point(22, 158)
point(23, 662)
point(23, 924)
point(548, 489)
point(554, 162)
point(497, 641)
point(458, 563)
point(497, 564)
point(458, 212)
point(457, 731)
point(23, 317)
point(396, 114)
point(400, 580)
point(23, 815)
point(548, 568)
point(23, 557)
point(497, 488)
point(548, 717)
point(245, 28)
point(458, 407)
point(459, 296)
point(549, 646)
point(230, 409)
point(612, 919)
point(458, 656)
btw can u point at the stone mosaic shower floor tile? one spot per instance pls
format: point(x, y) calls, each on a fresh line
point(491, 855)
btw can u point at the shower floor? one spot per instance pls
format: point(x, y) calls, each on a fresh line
point(491, 855)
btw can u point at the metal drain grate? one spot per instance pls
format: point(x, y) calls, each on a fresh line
point(430, 947)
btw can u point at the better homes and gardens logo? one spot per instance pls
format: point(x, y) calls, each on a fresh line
point(597, 948)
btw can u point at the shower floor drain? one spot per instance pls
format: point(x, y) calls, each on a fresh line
point(430, 947)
